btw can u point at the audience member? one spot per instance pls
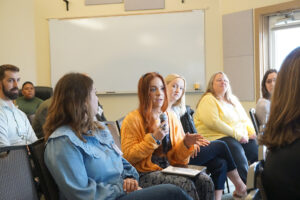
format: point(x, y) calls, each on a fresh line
point(282, 135)
point(263, 104)
point(28, 103)
point(40, 118)
point(220, 116)
point(15, 128)
point(81, 154)
point(215, 155)
point(151, 142)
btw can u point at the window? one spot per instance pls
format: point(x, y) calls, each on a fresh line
point(284, 32)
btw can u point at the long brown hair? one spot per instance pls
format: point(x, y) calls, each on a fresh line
point(265, 93)
point(70, 106)
point(210, 89)
point(145, 107)
point(283, 126)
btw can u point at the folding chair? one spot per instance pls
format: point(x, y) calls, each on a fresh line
point(48, 185)
point(16, 179)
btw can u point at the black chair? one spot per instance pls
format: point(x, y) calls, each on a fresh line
point(254, 120)
point(43, 92)
point(16, 179)
point(119, 123)
point(112, 126)
point(47, 183)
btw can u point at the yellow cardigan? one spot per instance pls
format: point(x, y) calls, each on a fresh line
point(213, 119)
point(138, 146)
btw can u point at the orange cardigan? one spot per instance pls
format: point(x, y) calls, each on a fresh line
point(138, 146)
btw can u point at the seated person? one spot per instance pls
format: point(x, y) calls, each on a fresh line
point(151, 145)
point(281, 175)
point(40, 118)
point(81, 154)
point(220, 116)
point(28, 103)
point(15, 128)
point(262, 110)
point(214, 155)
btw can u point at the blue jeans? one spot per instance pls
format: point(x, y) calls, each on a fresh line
point(158, 192)
point(218, 160)
point(242, 154)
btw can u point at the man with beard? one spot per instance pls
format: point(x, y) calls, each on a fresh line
point(15, 128)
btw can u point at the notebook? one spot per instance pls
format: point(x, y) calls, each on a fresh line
point(184, 171)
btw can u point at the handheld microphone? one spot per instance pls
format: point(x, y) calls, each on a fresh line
point(163, 117)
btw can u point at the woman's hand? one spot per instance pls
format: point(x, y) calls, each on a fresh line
point(191, 139)
point(161, 131)
point(196, 151)
point(130, 185)
point(244, 140)
point(252, 137)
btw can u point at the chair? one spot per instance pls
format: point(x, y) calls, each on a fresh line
point(254, 120)
point(43, 92)
point(254, 182)
point(112, 126)
point(119, 123)
point(48, 185)
point(16, 179)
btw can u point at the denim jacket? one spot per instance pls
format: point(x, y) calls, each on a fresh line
point(91, 170)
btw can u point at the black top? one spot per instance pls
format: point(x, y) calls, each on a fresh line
point(281, 175)
point(187, 121)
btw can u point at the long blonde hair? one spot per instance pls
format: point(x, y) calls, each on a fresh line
point(283, 126)
point(210, 89)
point(179, 105)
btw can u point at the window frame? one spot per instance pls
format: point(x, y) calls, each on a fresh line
point(261, 38)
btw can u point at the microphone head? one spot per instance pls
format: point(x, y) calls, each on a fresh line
point(163, 117)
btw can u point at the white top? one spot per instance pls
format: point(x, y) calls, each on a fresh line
point(15, 128)
point(262, 111)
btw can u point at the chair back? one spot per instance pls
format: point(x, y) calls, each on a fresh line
point(254, 120)
point(112, 126)
point(43, 92)
point(16, 179)
point(48, 185)
point(119, 123)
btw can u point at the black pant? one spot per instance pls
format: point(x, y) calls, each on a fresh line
point(218, 160)
point(242, 154)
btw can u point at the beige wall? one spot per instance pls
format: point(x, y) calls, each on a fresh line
point(230, 6)
point(118, 105)
point(17, 37)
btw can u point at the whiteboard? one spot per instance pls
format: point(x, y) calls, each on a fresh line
point(116, 51)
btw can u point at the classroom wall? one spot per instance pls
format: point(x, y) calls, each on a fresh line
point(230, 6)
point(17, 37)
point(115, 105)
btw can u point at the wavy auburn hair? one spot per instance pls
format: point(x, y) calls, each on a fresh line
point(145, 107)
point(70, 106)
point(283, 126)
